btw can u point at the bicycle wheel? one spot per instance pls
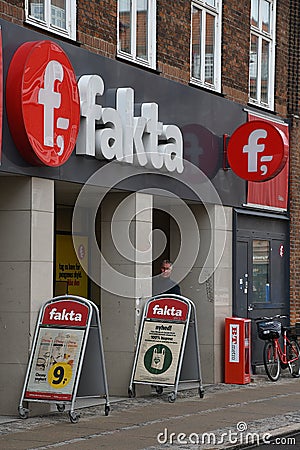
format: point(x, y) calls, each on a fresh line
point(293, 351)
point(271, 361)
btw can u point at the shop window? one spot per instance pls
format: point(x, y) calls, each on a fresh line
point(206, 43)
point(261, 271)
point(57, 16)
point(137, 31)
point(262, 53)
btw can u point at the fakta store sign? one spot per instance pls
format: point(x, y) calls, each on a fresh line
point(167, 309)
point(49, 113)
point(256, 151)
point(66, 313)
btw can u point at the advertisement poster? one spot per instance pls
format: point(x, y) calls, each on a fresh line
point(54, 364)
point(159, 352)
point(69, 271)
point(234, 339)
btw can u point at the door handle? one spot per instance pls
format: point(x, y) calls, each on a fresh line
point(241, 284)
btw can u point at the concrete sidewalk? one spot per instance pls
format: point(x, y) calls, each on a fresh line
point(229, 416)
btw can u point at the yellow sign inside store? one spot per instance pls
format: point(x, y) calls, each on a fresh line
point(70, 277)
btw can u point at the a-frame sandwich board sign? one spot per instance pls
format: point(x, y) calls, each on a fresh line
point(67, 358)
point(167, 349)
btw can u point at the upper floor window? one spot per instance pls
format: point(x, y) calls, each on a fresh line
point(262, 53)
point(206, 43)
point(137, 31)
point(58, 16)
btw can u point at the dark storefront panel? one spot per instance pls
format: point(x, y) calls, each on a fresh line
point(202, 117)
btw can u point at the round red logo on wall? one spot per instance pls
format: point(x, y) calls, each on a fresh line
point(42, 102)
point(256, 151)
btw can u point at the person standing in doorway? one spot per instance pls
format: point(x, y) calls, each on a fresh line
point(163, 284)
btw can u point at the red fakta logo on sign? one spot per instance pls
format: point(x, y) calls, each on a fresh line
point(167, 309)
point(42, 102)
point(256, 151)
point(66, 312)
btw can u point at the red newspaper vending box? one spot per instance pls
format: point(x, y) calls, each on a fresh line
point(237, 350)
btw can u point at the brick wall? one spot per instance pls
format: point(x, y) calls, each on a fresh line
point(12, 11)
point(97, 26)
point(173, 39)
point(97, 32)
point(235, 49)
point(295, 219)
point(235, 52)
point(294, 61)
point(282, 56)
point(293, 111)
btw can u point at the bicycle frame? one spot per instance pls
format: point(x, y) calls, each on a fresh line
point(282, 353)
point(275, 355)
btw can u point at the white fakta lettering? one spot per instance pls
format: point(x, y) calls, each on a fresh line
point(166, 311)
point(65, 315)
point(110, 133)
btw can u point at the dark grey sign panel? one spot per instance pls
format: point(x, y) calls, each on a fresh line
point(202, 116)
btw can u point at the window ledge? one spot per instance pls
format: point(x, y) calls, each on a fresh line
point(261, 107)
point(137, 63)
point(53, 31)
point(206, 88)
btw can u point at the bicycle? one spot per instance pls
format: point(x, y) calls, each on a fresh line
point(275, 356)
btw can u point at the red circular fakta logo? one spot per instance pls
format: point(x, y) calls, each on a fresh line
point(42, 102)
point(256, 151)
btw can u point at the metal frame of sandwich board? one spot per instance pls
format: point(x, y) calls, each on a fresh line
point(187, 366)
point(82, 375)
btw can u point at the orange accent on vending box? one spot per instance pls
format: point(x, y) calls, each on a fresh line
point(237, 350)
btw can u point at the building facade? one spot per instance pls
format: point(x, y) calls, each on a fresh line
point(117, 119)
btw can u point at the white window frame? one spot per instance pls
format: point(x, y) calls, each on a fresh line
point(216, 11)
point(69, 32)
point(270, 38)
point(151, 62)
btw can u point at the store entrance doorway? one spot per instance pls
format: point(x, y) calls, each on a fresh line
point(261, 286)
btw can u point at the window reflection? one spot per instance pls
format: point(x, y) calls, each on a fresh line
point(265, 16)
point(58, 13)
point(136, 30)
point(125, 25)
point(260, 275)
point(254, 13)
point(203, 45)
point(209, 48)
point(253, 66)
point(196, 39)
point(37, 9)
point(265, 71)
point(262, 52)
point(142, 29)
